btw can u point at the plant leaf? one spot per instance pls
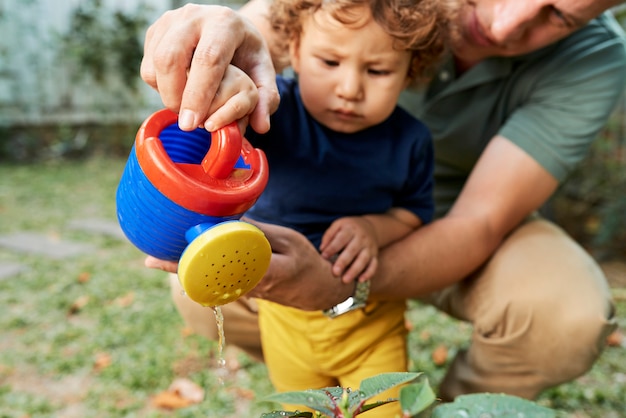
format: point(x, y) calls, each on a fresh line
point(316, 399)
point(374, 385)
point(416, 397)
point(492, 405)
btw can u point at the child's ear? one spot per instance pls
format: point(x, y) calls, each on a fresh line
point(294, 55)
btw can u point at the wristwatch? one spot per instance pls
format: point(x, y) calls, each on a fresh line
point(356, 301)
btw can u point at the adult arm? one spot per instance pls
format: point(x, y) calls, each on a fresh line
point(505, 186)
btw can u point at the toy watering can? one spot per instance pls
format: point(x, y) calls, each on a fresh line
point(180, 198)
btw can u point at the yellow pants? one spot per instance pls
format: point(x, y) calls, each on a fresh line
point(307, 350)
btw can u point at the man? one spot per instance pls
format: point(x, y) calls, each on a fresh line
point(529, 86)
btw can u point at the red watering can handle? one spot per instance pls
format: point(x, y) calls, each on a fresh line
point(224, 189)
point(224, 151)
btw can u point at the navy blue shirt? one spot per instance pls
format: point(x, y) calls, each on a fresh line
point(317, 175)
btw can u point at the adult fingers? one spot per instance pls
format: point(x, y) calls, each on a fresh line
point(187, 52)
point(155, 263)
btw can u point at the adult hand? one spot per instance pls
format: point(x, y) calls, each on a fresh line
point(155, 263)
point(298, 276)
point(187, 52)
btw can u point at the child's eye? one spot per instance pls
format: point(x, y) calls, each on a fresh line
point(330, 63)
point(377, 72)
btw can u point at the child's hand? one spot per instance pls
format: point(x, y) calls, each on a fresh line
point(351, 243)
point(235, 99)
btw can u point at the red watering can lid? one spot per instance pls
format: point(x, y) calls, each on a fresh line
point(214, 187)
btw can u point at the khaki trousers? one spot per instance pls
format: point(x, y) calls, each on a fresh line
point(540, 307)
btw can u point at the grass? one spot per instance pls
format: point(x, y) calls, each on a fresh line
point(61, 318)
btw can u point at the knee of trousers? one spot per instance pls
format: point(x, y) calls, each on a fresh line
point(557, 337)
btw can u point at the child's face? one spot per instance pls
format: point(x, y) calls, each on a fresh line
point(350, 77)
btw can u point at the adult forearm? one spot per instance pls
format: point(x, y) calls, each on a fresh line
point(431, 258)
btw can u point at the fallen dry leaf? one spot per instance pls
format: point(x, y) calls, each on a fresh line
point(125, 301)
point(170, 400)
point(615, 339)
point(440, 355)
point(84, 277)
point(181, 393)
point(102, 361)
point(187, 389)
point(78, 305)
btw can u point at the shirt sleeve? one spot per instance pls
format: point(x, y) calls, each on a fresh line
point(570, 101)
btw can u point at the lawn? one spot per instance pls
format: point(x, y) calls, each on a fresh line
point(95, 334)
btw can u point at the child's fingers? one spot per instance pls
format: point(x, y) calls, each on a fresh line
point(356, 267)
point(369, 271)
point(333, 242)
point(342, 261)
point(235, 99)
point(236, 107)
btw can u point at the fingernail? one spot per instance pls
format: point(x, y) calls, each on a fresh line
point(209, 126)
point(186, 120)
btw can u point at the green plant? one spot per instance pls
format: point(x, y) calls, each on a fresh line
point(415, 398)
point(340, 402)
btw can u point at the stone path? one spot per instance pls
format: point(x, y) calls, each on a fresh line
point(51, 246)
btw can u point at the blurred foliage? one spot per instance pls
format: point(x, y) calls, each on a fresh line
point(591, 204)
point(25, 144)
point(103, 41)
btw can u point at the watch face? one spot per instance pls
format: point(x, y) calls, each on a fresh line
point(356, 301)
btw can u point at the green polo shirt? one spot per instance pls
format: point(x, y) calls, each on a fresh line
point(551, 103)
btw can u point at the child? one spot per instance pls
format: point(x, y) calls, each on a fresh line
point(351, 171)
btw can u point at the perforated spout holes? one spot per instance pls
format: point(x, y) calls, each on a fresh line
point(229, 261)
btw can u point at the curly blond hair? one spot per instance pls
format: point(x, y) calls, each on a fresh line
point(418, 26)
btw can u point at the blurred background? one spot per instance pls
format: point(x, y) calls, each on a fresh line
point(69, 86)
